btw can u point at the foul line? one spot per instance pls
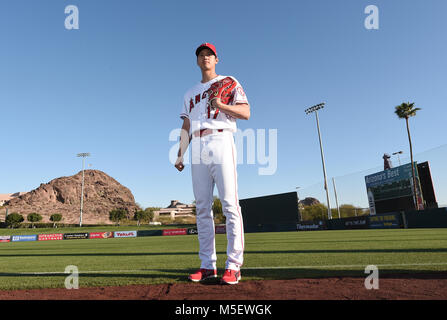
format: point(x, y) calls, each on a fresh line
point(350, 266)
point(244, 268)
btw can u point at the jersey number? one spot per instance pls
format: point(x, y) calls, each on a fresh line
point(216, 112)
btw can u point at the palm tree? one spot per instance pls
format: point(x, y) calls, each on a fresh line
point(405, 111)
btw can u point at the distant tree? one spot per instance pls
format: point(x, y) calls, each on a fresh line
point(194, 210)
point(14, 220)
point(117, 215)
point(316, 211)
point(405, 111)
point(33, 217)
point(57, 217)
point(347, 210)
point(143, 215)
point(150, 211)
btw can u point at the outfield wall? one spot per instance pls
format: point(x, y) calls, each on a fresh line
point(433, 218)
point(430, 218)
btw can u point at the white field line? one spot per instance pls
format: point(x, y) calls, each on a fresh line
point(245, 268)
point(336, 266)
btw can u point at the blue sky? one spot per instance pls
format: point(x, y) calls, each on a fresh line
point(114, 88)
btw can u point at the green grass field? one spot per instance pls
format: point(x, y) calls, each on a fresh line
point(169, 259)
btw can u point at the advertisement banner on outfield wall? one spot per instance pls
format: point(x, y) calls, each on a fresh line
point(148, 233)
point(174, 232)
point(46, 237)
point(5, 238)
point(193, 231)
point(384, 221)
point(311, 225)
point(125, 234)
point(32, 237)
point(356, 222)
point(100, 235)
point(72, 236)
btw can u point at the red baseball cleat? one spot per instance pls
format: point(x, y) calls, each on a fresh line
point(203, 274)
point(231, 277)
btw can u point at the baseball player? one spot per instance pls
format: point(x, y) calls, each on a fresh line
point(209, 114)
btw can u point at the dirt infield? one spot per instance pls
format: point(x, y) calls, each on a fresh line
point(395, 287)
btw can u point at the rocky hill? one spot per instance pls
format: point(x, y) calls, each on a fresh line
point(102, 193)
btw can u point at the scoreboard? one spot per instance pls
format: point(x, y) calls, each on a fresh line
point(391, 190)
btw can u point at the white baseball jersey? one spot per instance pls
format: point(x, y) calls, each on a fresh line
point(195, 107)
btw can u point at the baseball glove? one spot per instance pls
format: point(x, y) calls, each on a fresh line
point(221, 90)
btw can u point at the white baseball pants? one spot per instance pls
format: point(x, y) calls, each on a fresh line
point(214, 163)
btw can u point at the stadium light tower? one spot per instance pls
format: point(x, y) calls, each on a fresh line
point(83, 155)
point(398, 153)
point(315, 110)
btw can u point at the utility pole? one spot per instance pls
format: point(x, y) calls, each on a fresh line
point(298, 198)
point(336, 198)
point(83, 155)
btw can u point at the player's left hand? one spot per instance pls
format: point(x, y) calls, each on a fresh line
point(214, 103)
point(221, 90)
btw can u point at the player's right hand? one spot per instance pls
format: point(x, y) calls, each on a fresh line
point(179, 164)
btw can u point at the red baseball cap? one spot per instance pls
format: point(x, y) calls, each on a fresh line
point(206, 45)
